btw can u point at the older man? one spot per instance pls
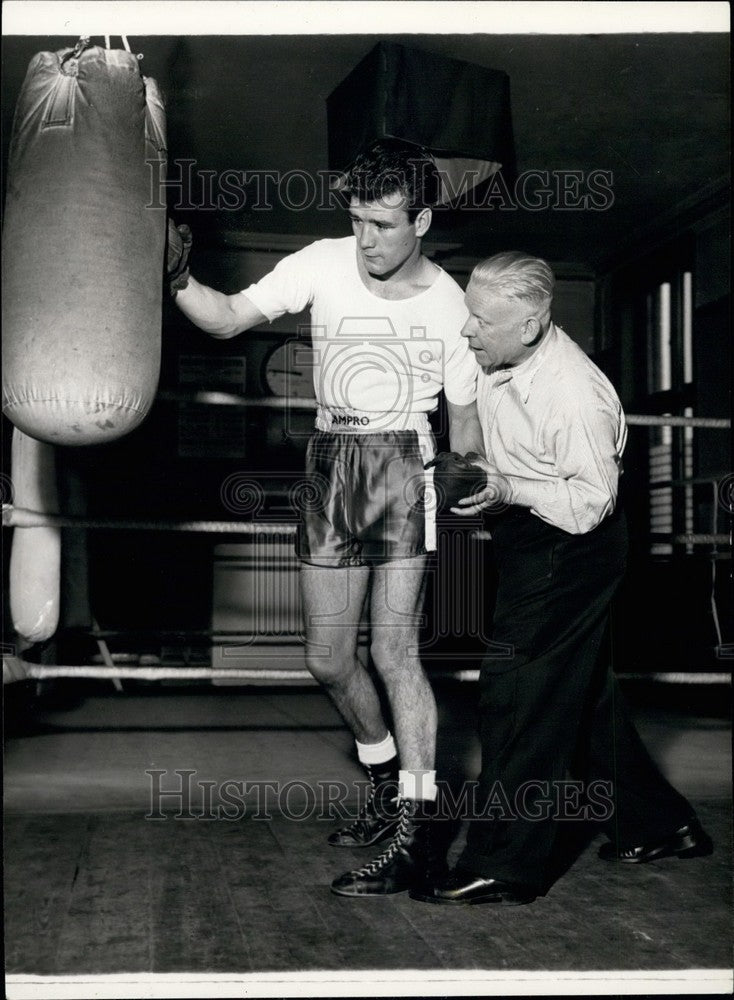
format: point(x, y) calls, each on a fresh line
point(554, 433)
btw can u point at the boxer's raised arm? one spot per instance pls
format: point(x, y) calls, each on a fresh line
point(220, 315)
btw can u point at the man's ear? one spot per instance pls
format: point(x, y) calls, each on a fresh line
point(423, 222)
point(531, 331)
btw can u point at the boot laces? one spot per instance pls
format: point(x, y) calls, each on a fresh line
point(368, 810)
point(396, 841)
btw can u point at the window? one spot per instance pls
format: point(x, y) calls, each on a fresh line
point(669, 321)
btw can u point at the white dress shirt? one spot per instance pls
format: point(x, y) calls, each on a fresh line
point(554, 429)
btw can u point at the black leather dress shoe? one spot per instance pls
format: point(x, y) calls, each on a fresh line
point(462, 887)
point(690, 841)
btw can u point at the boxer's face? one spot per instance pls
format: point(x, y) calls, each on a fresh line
point(496, 329)
point(386, 238)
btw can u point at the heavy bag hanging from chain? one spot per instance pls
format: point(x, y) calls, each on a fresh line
point(83, 246)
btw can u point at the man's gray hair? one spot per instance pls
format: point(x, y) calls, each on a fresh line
point(516, 275)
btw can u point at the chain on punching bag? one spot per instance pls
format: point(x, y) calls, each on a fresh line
point(83, 246)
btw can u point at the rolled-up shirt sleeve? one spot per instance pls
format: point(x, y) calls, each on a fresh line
point(583, 445)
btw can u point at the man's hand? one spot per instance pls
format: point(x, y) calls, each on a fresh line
point(177, 256)
point(495, 494)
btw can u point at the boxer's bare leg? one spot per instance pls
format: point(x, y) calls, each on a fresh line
point(396, 601)
point(333, 603)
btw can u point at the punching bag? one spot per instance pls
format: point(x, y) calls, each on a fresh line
point(83, 246)
point(35, 554)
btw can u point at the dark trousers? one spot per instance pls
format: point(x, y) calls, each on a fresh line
point(553, 710)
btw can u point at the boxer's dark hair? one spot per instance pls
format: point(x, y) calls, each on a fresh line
point(390, 165)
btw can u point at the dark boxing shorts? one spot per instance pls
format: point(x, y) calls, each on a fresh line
point(367, 500)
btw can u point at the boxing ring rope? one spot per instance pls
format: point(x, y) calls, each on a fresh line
point(16, 668)
point(22, 517)
point(210, 398)
point(648, 420)
point(297, 403)
point(22, 669)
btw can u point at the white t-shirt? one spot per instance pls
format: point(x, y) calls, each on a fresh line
point(372, 355)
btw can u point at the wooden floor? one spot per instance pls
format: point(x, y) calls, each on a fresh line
point(92, 886)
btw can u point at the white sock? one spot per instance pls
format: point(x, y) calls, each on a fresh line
point(377, 753)
point(418, 785)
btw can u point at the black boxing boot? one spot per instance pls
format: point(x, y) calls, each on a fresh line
point(413, 858)
point(379, 816)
